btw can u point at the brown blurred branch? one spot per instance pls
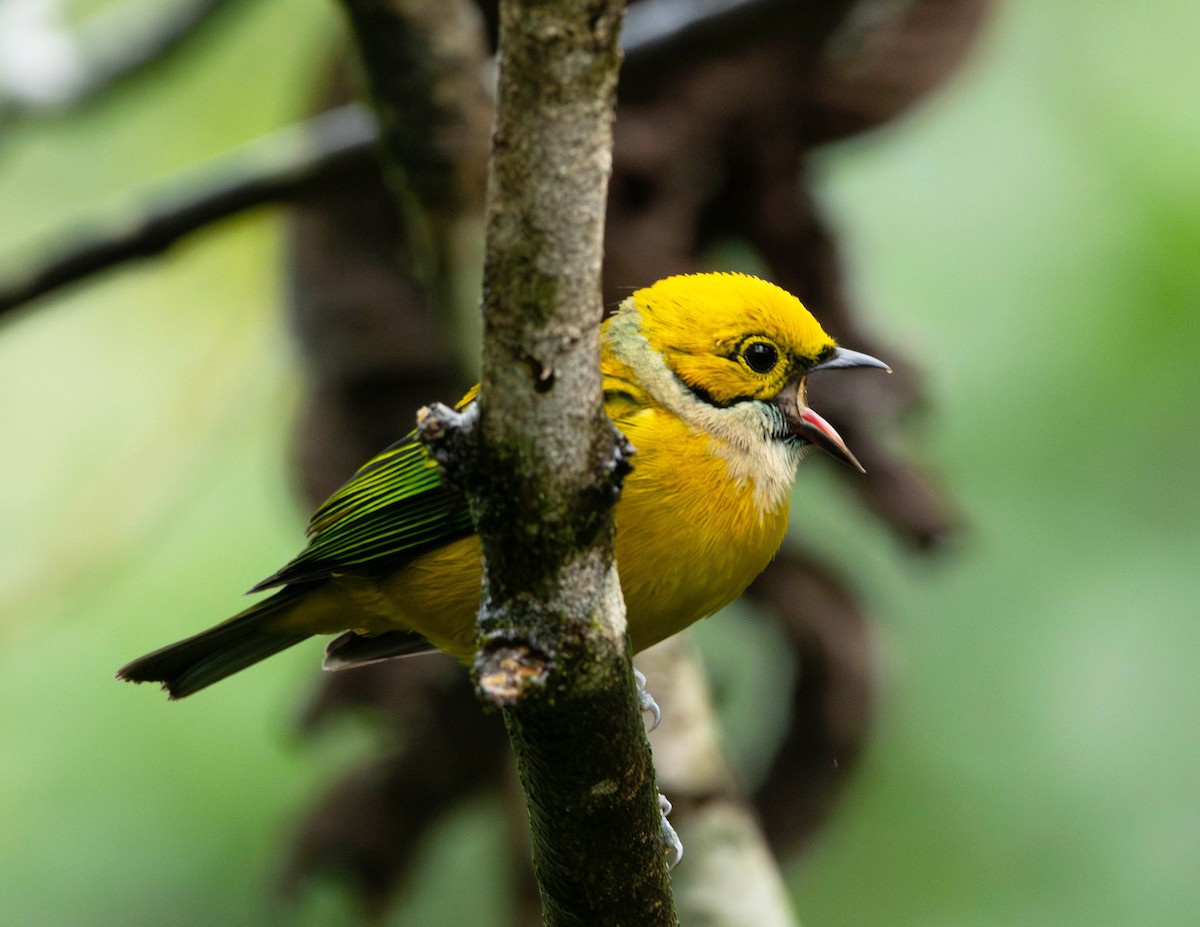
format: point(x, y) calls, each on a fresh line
point(424, 68)
point(278, 167)
point(663, 35)
point(443, 161)
point(832, 644)
point(729, 877)
point(368, 829)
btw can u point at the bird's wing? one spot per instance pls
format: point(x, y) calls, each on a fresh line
point(392, 510)
point(397, 506)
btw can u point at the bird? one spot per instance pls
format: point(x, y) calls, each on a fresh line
point(705, 374)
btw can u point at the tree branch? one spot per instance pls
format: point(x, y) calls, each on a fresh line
point(442, 165)
point(660, 35)
point(425, 64)
point(543, 466)
point(730, 877)
point(277, 167)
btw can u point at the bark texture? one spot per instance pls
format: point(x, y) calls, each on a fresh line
point(543, 467)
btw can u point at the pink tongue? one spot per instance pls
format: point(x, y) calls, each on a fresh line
point(814, 420)
point(820, 432)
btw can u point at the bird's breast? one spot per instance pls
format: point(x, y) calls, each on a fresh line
point(695, 524)
point(697, 521)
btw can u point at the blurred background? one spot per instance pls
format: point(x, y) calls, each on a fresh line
point(1028, 238)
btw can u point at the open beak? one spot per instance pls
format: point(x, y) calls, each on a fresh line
point(803, 422)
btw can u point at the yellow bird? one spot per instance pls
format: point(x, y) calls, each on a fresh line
point(704, 373)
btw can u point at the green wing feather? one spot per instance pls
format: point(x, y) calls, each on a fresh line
point(393, 509)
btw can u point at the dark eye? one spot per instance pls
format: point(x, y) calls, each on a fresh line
point(760, 356)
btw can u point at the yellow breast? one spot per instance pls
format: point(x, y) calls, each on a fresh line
point(694, 527)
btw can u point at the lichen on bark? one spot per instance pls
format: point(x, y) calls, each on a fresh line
point(544, 472)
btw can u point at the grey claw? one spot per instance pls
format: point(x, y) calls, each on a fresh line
point(646, 700)
point(672, 845)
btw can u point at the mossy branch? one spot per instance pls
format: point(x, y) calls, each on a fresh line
point(540, 461)
point(543, 466)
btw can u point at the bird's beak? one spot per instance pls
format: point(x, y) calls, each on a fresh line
point(844, 357)
point(803, 422)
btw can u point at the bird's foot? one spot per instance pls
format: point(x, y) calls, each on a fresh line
point(671, 844)
point(646, 701)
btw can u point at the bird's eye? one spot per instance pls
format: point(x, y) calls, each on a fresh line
point(760, 356)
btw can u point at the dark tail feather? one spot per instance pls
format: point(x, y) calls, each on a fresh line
point(197, 662)
point(351, 650)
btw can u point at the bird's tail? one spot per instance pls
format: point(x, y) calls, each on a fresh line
point(197, 662)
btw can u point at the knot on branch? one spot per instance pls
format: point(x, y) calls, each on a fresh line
point(508, 669)
point(451, 437)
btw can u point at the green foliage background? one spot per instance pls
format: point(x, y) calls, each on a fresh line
point(1032, 235)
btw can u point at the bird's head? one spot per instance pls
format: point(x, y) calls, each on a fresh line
point(729, 340)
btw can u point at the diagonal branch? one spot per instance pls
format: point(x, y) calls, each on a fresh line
point(275, 168)
point(278, 167)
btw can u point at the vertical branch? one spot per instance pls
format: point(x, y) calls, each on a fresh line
point(425, 64)
point(730, 878)
point(543, 467)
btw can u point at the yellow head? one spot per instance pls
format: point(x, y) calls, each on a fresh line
point(730, 353)
point(730, 336)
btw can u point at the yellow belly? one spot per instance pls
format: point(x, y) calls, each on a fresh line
point(690, 538)
point(690, 535)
